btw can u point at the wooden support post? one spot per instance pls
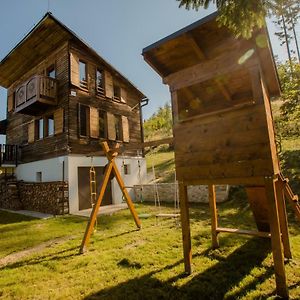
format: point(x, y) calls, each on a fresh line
point(92, 220)
point(213, 215)
point(283, 219)
point(126, 195)
point(111, 167)
point(281, 287)
point(185, 227)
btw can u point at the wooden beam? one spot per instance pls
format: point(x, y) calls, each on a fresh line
point(224, 63)
point(244, 232)
point(280, 277)
point(110, 154)
point(93, 217)
point(185, 227)
point(198, 51)
point(202, 56)
point(213, 215)
point(126, 195)
point(283, 219)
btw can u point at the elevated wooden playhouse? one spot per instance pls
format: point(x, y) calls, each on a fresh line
point(223, 126)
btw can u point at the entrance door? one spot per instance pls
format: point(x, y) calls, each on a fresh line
point(84, 195)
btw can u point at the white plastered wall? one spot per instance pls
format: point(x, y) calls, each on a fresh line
point(52, 170)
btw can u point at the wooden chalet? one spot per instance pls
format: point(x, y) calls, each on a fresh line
point(223, 129)
point(63, 101)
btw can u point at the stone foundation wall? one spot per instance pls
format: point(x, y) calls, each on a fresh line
point(46, 197)
point(166, 192)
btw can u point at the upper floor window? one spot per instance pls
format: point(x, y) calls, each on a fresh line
point(99, 82)
point(40, 128)
point(117, 92)
point(50, 125)
point(102, 124)
point(83, 74)
point(51, 72)
point(84, 120)
point(118, 127)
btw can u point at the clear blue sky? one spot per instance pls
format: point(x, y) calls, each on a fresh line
point(117, 29)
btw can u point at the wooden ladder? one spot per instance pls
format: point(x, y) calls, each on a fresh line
point(288, 193)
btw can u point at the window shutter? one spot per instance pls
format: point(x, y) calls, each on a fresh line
point(109, 86)
point(125, 127)
point(58, 121)
point(111, 129)
point(74, 64)
point(94, 122)
point(123, 95)
point(31, 132)
point(10, 101)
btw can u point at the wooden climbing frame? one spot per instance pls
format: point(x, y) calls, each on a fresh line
point(111, 167)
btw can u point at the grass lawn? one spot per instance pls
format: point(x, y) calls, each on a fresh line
point(124, 263)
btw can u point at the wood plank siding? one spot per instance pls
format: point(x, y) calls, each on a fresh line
point(110, 101)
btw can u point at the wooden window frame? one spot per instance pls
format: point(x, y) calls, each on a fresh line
point(100, 90)
point(87, 121)
point(46, 125)
point(37, 129)
point(50, 69)
point(83, 83)
point(120, 129)
point(117, 87)
point(105, 124)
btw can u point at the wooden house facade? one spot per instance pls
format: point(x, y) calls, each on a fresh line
point(223, 129)
point(63, 100)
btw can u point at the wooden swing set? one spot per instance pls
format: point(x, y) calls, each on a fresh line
point(110, 169)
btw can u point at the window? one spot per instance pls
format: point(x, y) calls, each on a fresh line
point(51, 72)
point(118, 127)
point(82, 74)
point(99, 82)
point(50, 125)
point(126, 168)
point(38, 176)
point(117, 92)
point(84, 117)
point(102, 124)
point(40, 129)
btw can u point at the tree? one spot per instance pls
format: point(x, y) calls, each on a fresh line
point(287, 13)
point(243, 16)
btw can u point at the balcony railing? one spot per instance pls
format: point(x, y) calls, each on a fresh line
point(35, 95)
point(9, 155)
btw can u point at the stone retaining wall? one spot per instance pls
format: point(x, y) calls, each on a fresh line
point(166, 192)
point(46, 197)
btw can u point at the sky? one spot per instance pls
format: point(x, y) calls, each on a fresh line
point(117, 29)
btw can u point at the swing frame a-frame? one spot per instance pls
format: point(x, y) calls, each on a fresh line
point(111, 167)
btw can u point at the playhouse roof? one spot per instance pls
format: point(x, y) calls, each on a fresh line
point(46, 36)
point(205, 41)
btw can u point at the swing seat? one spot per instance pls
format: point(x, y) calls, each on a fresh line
point(167, 215)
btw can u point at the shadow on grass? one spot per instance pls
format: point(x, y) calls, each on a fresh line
point(57, 256)
point(10, 218)
point(214, 283)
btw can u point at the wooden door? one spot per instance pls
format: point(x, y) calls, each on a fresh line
point(84, 187)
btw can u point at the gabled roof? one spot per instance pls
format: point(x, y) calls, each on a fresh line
point(202, 41)
point(44, 38)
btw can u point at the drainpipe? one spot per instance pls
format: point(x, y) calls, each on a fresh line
point(143, 103)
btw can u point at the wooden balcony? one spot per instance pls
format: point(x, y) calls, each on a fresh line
point(9, 155)
point(36, 95)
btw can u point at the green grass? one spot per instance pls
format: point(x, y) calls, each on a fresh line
point(164, 164)
point(21, 232)
point(124, 263)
